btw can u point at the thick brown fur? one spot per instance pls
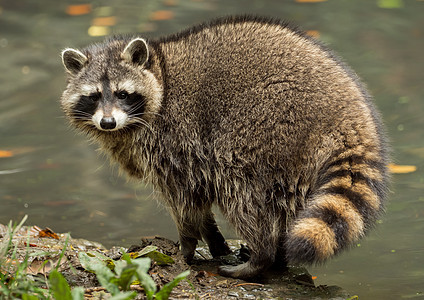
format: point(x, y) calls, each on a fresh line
point(255, 117)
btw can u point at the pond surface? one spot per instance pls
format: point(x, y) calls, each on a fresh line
point(58, 179)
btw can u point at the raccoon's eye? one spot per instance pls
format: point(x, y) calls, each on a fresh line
point(122, 95)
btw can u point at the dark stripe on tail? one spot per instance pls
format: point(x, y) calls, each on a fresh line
point(356, 159)
point(368, 213)
point(379, 187)
point(346, 200)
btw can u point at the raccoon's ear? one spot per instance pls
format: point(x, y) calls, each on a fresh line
point(136, 52)
point(73, 60)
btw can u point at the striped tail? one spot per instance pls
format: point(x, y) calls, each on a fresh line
point(346, 204)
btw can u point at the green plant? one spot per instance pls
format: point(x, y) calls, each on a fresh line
point(124, 272)
point(60, 288)
point(15, 283)
point(115, 276)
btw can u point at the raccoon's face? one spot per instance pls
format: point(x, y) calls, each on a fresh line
point(109, 86)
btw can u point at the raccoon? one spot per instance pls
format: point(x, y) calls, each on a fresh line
point(245, 113)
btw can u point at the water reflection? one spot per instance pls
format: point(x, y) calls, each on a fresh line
point(58, 179)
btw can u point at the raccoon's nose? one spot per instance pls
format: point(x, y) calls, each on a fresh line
point(108, 123)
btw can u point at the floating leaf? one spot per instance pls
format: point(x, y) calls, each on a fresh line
point(5, 153)
point(161, 15)
point(401, 169)
point(98, 30)
point(77, 10)
point(313, 33)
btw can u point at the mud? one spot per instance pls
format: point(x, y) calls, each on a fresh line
point(202, 283)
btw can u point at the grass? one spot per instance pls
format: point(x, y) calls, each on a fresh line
point(15, 283)
point(115, 276)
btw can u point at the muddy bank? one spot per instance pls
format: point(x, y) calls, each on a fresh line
point(202, 283)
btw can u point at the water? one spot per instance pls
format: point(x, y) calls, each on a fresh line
point(58, 179)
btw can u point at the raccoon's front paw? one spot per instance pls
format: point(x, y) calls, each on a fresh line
point(188, 246)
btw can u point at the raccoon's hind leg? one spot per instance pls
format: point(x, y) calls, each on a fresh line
point(261, 228)
point(188, 233)
point(348, 200)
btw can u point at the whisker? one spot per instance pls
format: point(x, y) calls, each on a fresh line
point(136, 107)
point(78, 113)
point(142, 122)
point(145, 113)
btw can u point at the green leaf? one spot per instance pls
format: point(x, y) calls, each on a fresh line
point(78, 293)
point(146, 250)
point(90, 262)
point(106, 280)
point(29, 297)
point(143, 265)
point(127, 276)
point(59, 286)
point(86, 261)
point(62, 253)
point(99, 255)
point(148, 284)
point(119, 267)
point(126, 257)
point(160, 258)
point(107, 260)
point(124, 296)
point(151, 252)
point(164, 293)
point(103, 273)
